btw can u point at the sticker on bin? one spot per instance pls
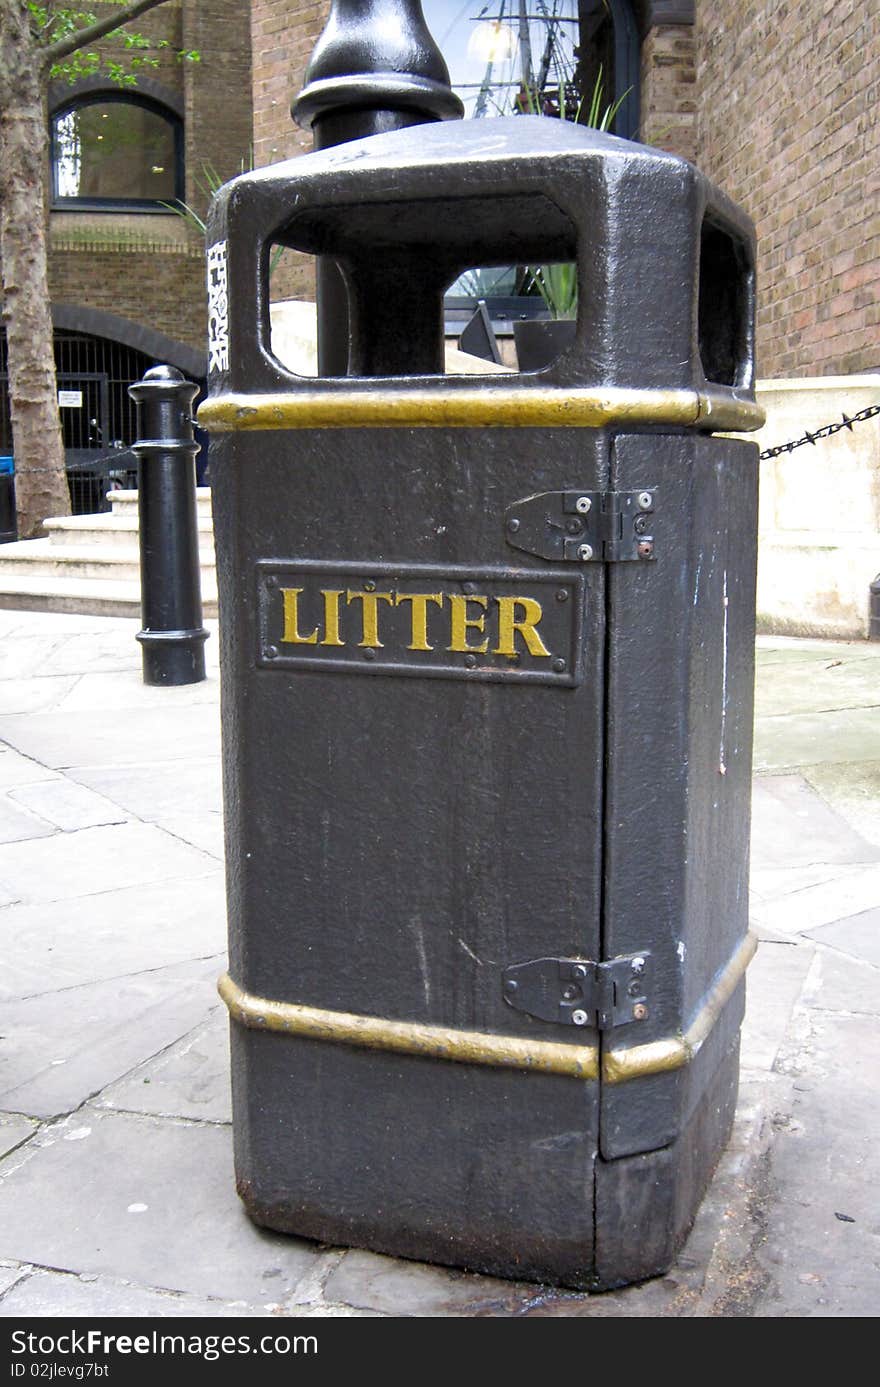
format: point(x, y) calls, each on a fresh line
point(497, 624)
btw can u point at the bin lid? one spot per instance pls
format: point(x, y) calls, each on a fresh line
point(665, 263)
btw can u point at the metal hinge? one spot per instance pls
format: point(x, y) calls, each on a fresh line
point(579, 992)
point(585, 526)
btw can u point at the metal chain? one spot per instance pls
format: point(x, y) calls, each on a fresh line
point(845, 423)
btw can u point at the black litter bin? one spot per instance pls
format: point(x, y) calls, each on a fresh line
point(487, 657)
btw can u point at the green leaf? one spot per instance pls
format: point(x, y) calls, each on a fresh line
point(557, 283)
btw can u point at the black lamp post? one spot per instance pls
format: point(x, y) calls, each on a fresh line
point(375, 68)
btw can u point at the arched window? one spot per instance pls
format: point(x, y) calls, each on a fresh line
point(115, 149)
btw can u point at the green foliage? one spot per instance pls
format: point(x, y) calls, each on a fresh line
point(581, 113)
point(136, 51)
point(210, 183)
point(557, 283)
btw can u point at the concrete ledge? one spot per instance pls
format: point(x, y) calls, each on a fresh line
point(819, 528)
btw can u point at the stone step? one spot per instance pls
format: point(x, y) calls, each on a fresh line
point(92, 597)
point(119, 563)
point(109, 529)
point(91, 563)
point(126, 502)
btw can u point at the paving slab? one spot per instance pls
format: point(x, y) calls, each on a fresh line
point(9, 1274)
point(838, 680)
point(33, 653)
point(807, 909)
point(37, 694)
point(66, 805)
point(125, 689)
point(773, 986)
point(189, 1079)
point(818, 1206)
point(153, 791)
point(112, 934)
point(148, 1200)
point(95, 737)
point(662, 1297)
point(17, 770)
point(17, 824)
point(55, 644)
point(203, 831)
point(769, 883)
point(853, 789)
point(333, 1310)
point(368, 1281)
point(8, 895)
point(793, 826)
point(731, 1279)
point(96, 860)
point(805, 739)
point(57, 1056)
point(39, 625)
point(773, 651)
point(14, 1130)
point(841, 984)
point(52, 1294)
point(858, 935)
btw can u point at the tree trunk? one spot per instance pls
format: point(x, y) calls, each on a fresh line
point(40, 477)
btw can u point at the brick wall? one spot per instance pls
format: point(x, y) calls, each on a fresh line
point(774, 99)
point(149, 268)
point(163, 23)
point(217, 94)
point(668, 94)
point(787, 125)
point(155, 282)
point(283, 34)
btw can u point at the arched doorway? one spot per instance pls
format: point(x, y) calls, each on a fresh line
point(97, 357)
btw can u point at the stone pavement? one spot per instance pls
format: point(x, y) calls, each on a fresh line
point(116, 1185)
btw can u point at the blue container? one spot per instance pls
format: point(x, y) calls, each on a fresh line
point(8, 526)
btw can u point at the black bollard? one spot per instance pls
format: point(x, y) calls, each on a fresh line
point(173, 637)
point(874, 610)
point(374, 68)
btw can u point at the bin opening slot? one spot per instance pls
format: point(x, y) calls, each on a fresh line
point(726, 284)
point(398, 260)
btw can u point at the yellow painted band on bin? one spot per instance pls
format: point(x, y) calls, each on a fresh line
point(498, 407)
point(476, 1047)
point(659, 1056)
point(438, 1042)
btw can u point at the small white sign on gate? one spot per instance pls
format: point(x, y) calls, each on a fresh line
point(218, 309)
point(70, 399)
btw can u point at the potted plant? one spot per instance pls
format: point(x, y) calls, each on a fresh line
point(539, 341)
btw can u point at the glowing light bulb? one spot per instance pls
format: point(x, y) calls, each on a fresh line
point(492, 41)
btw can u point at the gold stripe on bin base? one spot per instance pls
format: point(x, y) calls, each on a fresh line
point(438, 1042)
point(416, 407)
point(476, 1047)
point(661, 1055)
